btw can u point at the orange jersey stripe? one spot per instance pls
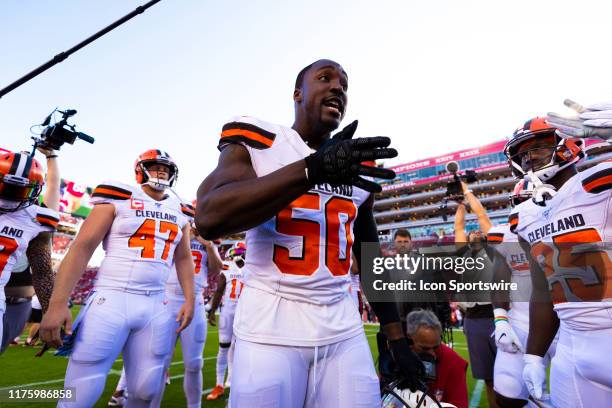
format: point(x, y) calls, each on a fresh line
point(248, 134)
point(598, 183)
point(48, 221)
point(495, 238)
point(582, 236)
point(187, 210)
point(114, 193)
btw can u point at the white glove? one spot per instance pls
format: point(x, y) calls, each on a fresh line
point(593, 121)
point(505, 337)
point(534, 375)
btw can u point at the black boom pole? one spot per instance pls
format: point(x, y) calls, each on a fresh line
point(63, 55)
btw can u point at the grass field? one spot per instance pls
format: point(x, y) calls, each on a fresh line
point(20, 369)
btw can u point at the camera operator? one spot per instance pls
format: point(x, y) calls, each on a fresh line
point(445, 369)
point(19, 289)
point(406, 302)
point(478, 323)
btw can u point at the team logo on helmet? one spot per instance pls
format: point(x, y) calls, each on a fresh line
point(21, 181)
point(536, 149)
point(150, 158)
point(237, 251)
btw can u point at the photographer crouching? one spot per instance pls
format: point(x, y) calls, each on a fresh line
point(478, 322)
point(445, 369)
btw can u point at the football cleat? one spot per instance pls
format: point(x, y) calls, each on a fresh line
point(215, 393)
point(149, 158)
point(21, 181)
point(117, 400)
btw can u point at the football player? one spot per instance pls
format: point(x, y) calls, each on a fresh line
point(511, 309)
point(565, 234)
point(229, 287)
point(193, 338)
point(144, 231)
point(25, 228)
point(299, 193)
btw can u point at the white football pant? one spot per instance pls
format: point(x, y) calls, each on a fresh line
point(193, 339)
point(226, 337)
point(580, 376)
point(337, 375)
point(140, 325)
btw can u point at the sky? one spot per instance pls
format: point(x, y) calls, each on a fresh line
point(436, 76)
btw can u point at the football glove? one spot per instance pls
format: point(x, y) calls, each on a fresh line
point(594, 121)
point(534, 375)
point(505, 337)
point(338, 160)
point(408, 363)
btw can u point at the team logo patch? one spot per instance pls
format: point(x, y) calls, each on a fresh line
point(101, 300)
point(546, 213)
point(136, 204)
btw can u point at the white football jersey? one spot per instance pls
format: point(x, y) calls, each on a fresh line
point(569, 238)
point(200, 260)
point(141, 241)
point(303, 254)
point(506, 245)
point(17, 229)
point(234, 282)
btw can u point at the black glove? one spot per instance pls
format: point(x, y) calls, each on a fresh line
point(338, 160)
point(408, 363)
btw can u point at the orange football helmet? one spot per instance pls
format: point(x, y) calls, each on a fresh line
point(21, 181)
point(151, 157)
point(563, 152)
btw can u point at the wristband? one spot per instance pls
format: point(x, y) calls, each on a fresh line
point(500, 314)
point(51, 156)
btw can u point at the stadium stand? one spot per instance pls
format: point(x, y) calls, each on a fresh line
point(412, 200)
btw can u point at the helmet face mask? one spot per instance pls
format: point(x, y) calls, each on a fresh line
point(21, 181)
point(523, 191)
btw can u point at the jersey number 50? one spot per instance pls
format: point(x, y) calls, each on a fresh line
point(309, 231)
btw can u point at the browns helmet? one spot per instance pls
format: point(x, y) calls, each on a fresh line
point(523, 159)
point(21, 181)
point(149, 158)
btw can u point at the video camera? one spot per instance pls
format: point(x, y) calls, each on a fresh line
point(453, 187)
point(55, 135)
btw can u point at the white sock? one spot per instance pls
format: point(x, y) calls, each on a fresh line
point(221, 364)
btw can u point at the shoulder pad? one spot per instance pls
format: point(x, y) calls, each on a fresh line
point(47, 217)
point(598, 178)
point(247, 131)
point(188, 210)
point(111, 191)
point(495, 235)
point(513, 220)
